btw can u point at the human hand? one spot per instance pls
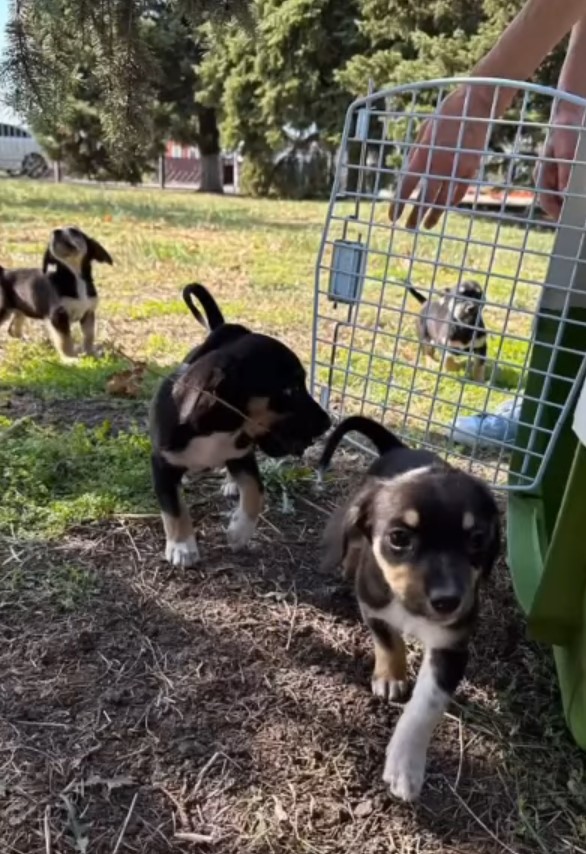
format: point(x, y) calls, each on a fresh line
point(437, 163)
point(552, 173)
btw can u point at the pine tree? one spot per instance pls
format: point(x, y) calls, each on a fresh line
point(276, 79)
point(103, 85)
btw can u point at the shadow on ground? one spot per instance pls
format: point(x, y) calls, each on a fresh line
point(231, 701)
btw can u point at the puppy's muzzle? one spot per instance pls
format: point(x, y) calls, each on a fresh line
point(451, 597)
point(60, 241)
point(295, 433)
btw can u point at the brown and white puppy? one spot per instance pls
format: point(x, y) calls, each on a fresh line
point(453, 323)
point(237, 391)
point(60, 294)
point(417, 537)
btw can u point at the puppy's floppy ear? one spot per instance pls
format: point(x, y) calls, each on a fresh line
point(348, 525)
point(48, 259)
point(96, 251)
point(205, 389)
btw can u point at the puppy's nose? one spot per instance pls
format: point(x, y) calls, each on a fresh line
point(445, 605)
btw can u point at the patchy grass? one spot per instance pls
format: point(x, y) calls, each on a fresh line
point(144, 708)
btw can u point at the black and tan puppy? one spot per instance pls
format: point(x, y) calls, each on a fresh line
point(60, 294)
point(237, 391)
point(454, 324)
point(417, 537)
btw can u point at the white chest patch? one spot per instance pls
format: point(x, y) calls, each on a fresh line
point(395, 615)
point(76, 308)
point(207, 452)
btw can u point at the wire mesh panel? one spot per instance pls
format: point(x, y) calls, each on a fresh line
point(503, 394)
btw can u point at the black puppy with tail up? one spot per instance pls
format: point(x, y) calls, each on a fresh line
point(236, 391)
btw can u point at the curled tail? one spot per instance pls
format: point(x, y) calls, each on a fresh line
point(418, 296)
point(381, 438)
point(213, 316)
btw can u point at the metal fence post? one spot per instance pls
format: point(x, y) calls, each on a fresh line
point(162, 171)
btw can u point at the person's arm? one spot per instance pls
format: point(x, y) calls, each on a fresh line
point(573, 74)
point(553, 170)
point(536, 29)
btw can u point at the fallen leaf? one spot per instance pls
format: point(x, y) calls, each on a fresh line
point(126, 383)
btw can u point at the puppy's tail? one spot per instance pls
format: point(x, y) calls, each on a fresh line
point(214, 316)
point(418, 296)
point(381, 438)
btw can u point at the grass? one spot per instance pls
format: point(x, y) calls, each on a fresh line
point(231, 702)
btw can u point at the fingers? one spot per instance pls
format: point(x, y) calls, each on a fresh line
point(428, 193)
point(409, 179)
point(450, 195)
point(550, 180)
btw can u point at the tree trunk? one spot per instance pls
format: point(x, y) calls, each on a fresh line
point(211, 174)
point(210, 152)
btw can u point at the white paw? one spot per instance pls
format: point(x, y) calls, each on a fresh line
point(240, 530)
point(229, 488)
point(392, 690)
point(404, 769)
point(182, 553)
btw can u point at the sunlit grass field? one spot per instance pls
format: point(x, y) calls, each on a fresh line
point(259, 259)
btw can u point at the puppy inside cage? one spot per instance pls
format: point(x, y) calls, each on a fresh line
point(464, 339)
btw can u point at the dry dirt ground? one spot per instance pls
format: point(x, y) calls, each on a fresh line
point(227, 708)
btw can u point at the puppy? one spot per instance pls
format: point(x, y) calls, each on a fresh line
point(454, 323)
point(60, 294)
point(417, 538)
point(237, 391)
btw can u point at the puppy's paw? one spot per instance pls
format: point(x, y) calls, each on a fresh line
point(229, 488)
point(392, 690)
point(182, 553)
point(94, 352)
point(240, 530)
point(404, 769)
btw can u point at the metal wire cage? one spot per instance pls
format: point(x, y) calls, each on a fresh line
point(367, 353)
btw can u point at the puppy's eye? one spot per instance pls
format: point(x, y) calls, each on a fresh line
point(400, 539)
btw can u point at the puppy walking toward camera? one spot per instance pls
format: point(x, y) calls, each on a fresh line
point(237, 391)
point(417, 538)
point(454, 323)
point(60, 294)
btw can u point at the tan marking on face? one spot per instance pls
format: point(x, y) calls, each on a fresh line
point(260, 418)
point(468, 521)
point(403, 579)
point(71, 255)
point(411, 517)
point(390, 664)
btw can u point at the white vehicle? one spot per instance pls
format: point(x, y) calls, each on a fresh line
point(20, 152)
